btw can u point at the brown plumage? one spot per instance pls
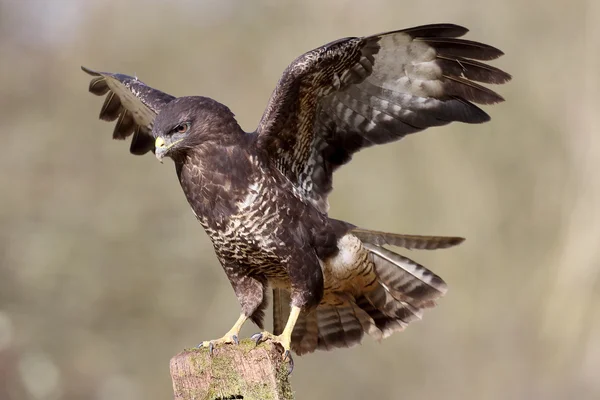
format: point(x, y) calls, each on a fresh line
point(262, 196)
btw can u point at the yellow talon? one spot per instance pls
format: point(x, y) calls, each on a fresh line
point(230, 337)
point(285, 339)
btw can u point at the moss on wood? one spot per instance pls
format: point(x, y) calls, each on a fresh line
point(245, 371)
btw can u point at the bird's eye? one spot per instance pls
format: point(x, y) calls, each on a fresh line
point(182, 128)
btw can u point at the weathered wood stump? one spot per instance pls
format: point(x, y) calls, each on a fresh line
point(245, 371)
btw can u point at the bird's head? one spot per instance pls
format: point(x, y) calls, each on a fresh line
point(188, 122)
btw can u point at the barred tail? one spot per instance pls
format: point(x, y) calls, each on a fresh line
point(403, 290)
point(369, 289)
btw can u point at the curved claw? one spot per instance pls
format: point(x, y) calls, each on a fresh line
point(257, 337)
point(233, 339)
point(287, 353)
point(210, 345)
point(287, 356)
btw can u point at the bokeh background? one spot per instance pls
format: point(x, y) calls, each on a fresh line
point(105, 274)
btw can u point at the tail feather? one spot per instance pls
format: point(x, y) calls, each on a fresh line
point(383, 300)
point(332, 326)
point(305, 336)
point(404, 277)
point(369, 324)
point(407, 241)
point(385, 324)
point(281, 309)
point(378, 292)
point(338, 327)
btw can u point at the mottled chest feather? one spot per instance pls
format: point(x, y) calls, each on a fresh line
point(247, 209)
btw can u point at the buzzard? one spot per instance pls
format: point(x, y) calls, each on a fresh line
point(262, 196)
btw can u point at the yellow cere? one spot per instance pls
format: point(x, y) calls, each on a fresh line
point(160, 142)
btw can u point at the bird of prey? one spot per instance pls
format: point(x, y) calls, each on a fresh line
point(262, 196)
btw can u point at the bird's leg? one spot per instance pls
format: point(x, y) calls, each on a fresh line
point(285, 339)
point(229, 337)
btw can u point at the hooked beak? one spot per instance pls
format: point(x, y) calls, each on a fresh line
point(160, 148)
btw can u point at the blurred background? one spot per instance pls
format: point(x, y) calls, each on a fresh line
point(105, 274)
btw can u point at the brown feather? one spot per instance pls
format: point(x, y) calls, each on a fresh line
point(471, 69)
point(98, 86)
point(141, 142)
point(381, 299)
point(281, 309)
point(406, 241)
point(386, 324)
point(111, 108)
point(124, 126)
point(400, 274)
point(436, 30)
point(471, 91)
point(451, 47)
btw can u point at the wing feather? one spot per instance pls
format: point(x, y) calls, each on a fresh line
point(452, 47)
point(125, 125)
point(435, 30)
point(473, 70)
point(132, 104)
point(111, 108)
point(357, 92)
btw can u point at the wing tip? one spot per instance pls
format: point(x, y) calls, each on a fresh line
point(477, 116)
point(454, 47)
point(506, 77)
point(457, 30)
point(500, 77)
point(90, 71)
point(437, 30)
point(455, 241)
point(98, 85)
point(493, 52)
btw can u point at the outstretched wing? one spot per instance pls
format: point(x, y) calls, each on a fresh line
point(357, 92)
point(132, 104)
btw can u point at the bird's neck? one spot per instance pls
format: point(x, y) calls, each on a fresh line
point(214, 177)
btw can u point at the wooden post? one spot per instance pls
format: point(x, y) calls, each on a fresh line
point(245, 371)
